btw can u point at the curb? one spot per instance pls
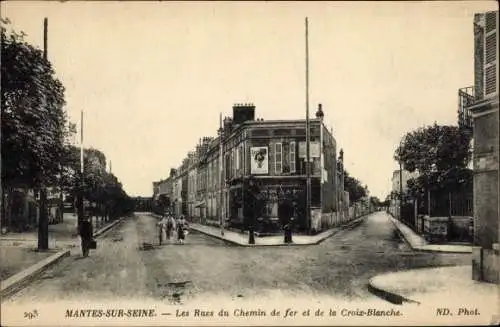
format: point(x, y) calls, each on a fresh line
point(424, 248)
point(327, 235)
point(14, 283)
point(106, 228)
point(387, 295)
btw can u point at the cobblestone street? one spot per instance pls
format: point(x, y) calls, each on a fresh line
point(122, 268)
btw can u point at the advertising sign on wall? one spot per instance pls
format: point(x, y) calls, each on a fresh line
point(313, 149)
point(259, 160)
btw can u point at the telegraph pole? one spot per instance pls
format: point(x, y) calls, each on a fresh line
point(43, 222)
point(221, 176)
point(79, 201)
point(342, 184)
point(308, 136)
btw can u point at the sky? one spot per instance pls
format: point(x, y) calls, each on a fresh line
point(153, 77)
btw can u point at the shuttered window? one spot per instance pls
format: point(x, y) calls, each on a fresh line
point(491, 48)
point(292, 158)
point(278, 158)
point(490, 79)
point(490, 53)
point(491, 21)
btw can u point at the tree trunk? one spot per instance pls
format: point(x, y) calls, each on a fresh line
point(8, 209)
point(4, 214)
point(43, 223)
point(61, 205)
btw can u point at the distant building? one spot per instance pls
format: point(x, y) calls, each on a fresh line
point(404, 178)
point(396, 181)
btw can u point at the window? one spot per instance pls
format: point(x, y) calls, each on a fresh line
point(278, 160)
point(237, 163)
point(240, 157)
point(292, 158)
point(233, 166)
point(228, 166)
point(209, 174)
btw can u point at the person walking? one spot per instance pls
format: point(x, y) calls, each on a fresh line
point(86, 235)
point(285, 214)
point(170, 225)
point(162, 224)
point(181, 230)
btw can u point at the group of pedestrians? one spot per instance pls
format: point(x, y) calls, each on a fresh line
point(169, 225)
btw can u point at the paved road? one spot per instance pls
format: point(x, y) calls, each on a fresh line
point(121, 268)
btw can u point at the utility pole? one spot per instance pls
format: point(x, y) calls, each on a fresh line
point(342, 184)
point(401, 180)
point(221, 176)
point(400, 190)
point(308, 136)
point(80, 211)
point(43, 221)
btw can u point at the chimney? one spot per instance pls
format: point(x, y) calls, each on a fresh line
point(319, 113)
point(243, 112)
point(228, 124)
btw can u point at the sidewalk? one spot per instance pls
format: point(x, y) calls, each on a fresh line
point(444, 285)
point(22, 262)
point(241, 239)
point(62, 234)
point(418, 243)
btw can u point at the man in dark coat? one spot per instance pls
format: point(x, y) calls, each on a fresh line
point(86, 234)
point(251, 209)
point(285, 214)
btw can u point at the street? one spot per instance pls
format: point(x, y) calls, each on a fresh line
point(123, 268)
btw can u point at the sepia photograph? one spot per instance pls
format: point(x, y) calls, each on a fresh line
point(263, 163)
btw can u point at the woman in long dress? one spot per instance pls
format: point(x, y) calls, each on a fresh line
point(170, 226)
point(162, 226)
point(181, 233)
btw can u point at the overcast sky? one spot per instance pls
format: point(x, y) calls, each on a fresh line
point(153, 77)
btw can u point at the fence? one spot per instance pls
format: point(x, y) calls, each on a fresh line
point(323, 221)
point(455, 206)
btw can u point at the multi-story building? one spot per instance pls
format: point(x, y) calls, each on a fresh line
point(402, 179)
point(399, 182)
point(274, 153)
point(479, 113)
point(212, 180)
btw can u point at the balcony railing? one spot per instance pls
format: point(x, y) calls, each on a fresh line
point(466, 98)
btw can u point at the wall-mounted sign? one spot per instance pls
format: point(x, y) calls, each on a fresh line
point(313, 149)
point(259, 160)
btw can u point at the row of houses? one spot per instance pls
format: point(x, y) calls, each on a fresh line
point(210, 184)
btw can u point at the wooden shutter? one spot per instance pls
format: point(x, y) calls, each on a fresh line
point(490, 53)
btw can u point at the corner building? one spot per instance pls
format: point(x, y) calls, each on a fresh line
point(272, 153)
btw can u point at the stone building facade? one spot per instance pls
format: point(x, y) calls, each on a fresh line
point(482, 107)
point(214, 176)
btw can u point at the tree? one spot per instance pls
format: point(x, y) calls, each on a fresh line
point(94, 163)
point(375, 201)
point(440, 155)
point(434, 152)
point(354, 187)
point(33, 120)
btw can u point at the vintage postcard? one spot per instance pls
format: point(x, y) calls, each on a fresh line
point(249, 163)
